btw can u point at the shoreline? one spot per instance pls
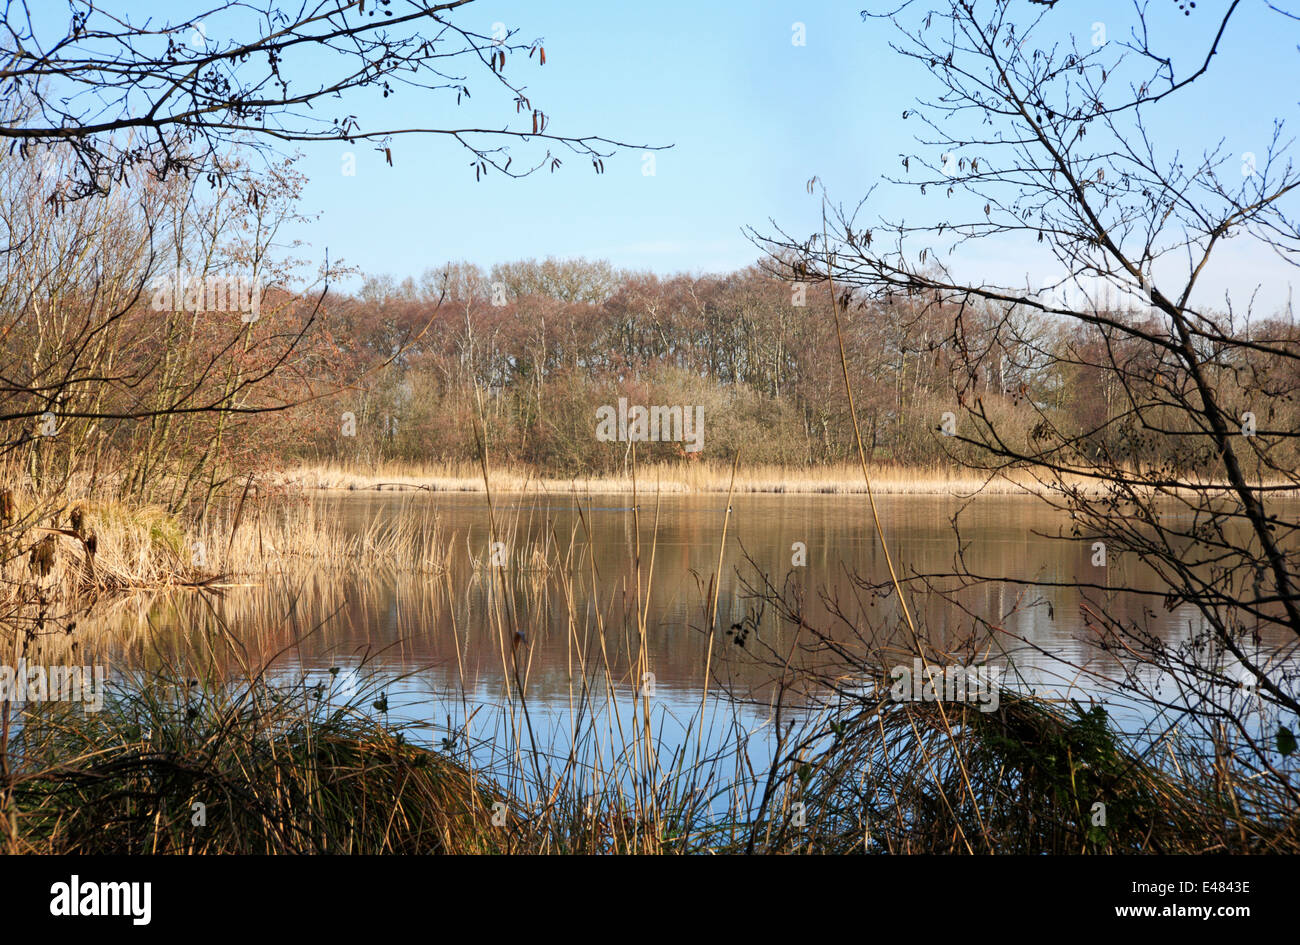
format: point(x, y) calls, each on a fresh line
point(694, 480)
point(701, 479)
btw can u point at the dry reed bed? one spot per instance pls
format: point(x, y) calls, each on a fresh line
point(671, 479)
point(145, 548)
point(60, 590)
point(679, 479)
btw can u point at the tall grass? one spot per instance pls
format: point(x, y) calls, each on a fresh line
point(261, 764)
point(175, 766)
point(137, 548)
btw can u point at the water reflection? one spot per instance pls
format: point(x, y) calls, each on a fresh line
point(568, 606)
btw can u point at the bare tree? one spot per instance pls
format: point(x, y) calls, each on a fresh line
point(170, 95)
point(1187, 455)
point(99, 105)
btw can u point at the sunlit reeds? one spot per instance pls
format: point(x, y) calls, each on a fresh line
point(701, 477)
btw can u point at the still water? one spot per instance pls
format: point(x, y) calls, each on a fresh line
point(445, 648)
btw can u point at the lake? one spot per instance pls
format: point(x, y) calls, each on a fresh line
point(443, 649)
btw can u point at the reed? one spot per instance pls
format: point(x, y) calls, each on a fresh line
point(177, 764)
point(172, 766)
point(1035, 777)
point(676, 478)
point(115, 548)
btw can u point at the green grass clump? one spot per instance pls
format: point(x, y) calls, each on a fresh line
point(175, 767)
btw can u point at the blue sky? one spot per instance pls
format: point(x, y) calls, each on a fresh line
point(721, 83)
point(751, 117)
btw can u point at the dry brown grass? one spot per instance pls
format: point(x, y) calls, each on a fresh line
point(145, 548)
point(701, 477)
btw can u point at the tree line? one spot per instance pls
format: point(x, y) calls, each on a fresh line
point(525, 353)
